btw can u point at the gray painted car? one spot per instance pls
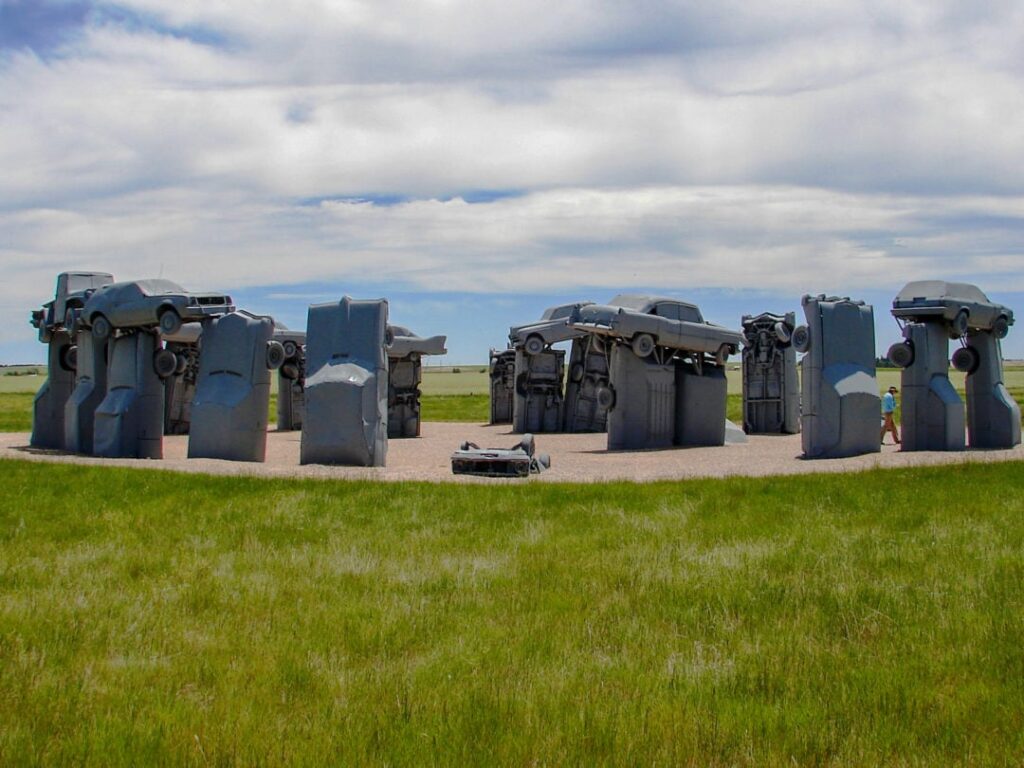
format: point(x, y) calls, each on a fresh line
point(73, 290)
point(518, 461)
point(145, 303)
point(552, 328)
point(649, 322)
point(964, 306)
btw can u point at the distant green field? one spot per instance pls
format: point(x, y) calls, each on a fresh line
point(148, 617)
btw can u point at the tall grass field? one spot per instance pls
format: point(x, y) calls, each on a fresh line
point(148, 617)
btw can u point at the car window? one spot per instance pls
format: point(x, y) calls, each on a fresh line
point(667, 310)
point(690, 314)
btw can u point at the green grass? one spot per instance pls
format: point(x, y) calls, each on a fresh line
point(149, 617)
point(16, 411)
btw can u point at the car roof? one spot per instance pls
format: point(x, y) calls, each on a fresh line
point(940, 289)
point(644, 303)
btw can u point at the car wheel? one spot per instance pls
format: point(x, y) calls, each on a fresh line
point(290, 371)
point(165, 363)
point(275, 355)
point(782, 333)
point(1001, 327)
point(523, 384)
point(606, 398)
point(801, 338)
point(576, 372)
point(642, 344)
point(182, 365)
point(71, 320)
point(528, 444)
point(723, 354)
point(966, 359)
point(959, 324)
point(290, 348)
point(534, 345)
point(69, 357)
point(901, 354)
point(170, 322)
point(100, 327)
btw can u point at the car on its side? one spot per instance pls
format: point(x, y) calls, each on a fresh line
point(552, 328)
point(144, 303)
point(73, 290)
point(649, 322)
point(964, 307)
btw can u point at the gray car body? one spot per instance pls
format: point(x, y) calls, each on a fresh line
point(933, 299)
point(404, 343)
point(72, 292)
point(140, 303)
point(552, 327)
point(672, 323)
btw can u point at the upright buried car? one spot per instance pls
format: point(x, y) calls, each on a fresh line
point(650, 322)
point(962, 305)
point(147, 303)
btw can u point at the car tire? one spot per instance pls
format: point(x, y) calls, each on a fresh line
point(182, 365)
point(901, 354)
point(782, 333)
point(290, 348)
point(523, 384)
point(722, 355)
point(275, 355)
point(170, 322)
point(1001, 327)
point(69, 357)
point(101, 327)
point(959, 325)
point(576, 372)
point(606, 398)
point(165, 363)
point(642, 345)
point(528, 444)
point(801, 338)
point(71, 320)
point(290, 371)
point(534, 345)
point(966, 360)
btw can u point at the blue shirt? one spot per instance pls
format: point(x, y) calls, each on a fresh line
point(888, 402)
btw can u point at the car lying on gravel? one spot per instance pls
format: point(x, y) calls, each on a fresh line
point(147, 303)
point(518, 461)
point(552, 328)
point(962, 305)
point(650, 322)
point(73, 290)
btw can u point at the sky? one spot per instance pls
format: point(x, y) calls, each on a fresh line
point(475, 162)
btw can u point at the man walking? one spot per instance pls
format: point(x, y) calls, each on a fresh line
point(888, 415)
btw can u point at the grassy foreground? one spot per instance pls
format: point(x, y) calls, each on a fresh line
point(148, 617)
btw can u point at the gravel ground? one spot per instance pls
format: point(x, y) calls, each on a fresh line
point(574, 458)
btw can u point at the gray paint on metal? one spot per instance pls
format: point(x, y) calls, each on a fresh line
point(538, 391)
point(840, 403)
point(993, 416)
point(932, 413)
point(129, 422)
point(588, 374)
point(52, 397)
point(346, 384)
point(405, 373)
point(643, 412)
point(90, 389)
point(700, 405)
point(232, 396)
point(502, 369)
point(771, 385)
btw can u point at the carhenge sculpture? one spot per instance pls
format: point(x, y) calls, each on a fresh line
point(666, 364)
point(291, 379)
point(539, 404)
point(404, 375)
point(771, 387)
point(180, 389)
point(346, 384)
point(129, 423)
point(58, 324)
point(502, 369)
point(233, 388)
point(932, 312)
point(840, 404)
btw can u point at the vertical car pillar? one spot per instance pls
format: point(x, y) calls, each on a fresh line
point(404, 376)
point(346, 384)
point(701, 400)
point(180, 388)
point(230, 409)
point(641, 401)
point(538, 401)
point(841, 407)
point(50, 400)
point(932, 411)
point(588, 375)
point(129, 422)
point(993, 416)
point(291, 380)
point(90, 389)
point(502, 368)
point(771, 387)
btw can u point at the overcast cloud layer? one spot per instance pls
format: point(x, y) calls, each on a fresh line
point(506, 147)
